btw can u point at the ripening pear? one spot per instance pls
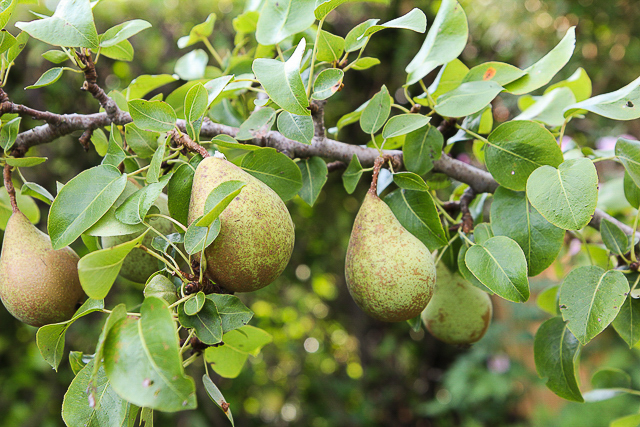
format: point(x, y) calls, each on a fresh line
point(38, 285)
point(390, 273)
point(139, 265)
point(459, 313)
point(256, 234)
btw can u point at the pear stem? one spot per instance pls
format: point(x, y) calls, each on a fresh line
point(8, 184)
point(186, 142)
point(374, 180)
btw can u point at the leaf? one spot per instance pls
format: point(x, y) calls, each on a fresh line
point(71, 25)
point(449, 77)
point(516, 149)
point(590, 298)
point(82, 202)
point(16, 48)
point(628, 152)
point(567, 196)
point(228, 360)
point(192, 66)
point(233, 312)
point(152, 115)
point(142, 85)
point(281, 80)
point(197, 238)
point(198, 32)
point(421, 148)
point(555, 351)
point(365, 63)
point(206, 322)
point(468, 98)
point(376, 112)
point(464, 270)
point(217, 397)
point(330, 47)
point(501, 266)
point(314, 175)
point(414, 20)
point(540, 73)
point(579, 83)
point(548, 300)
point(36, 190)
point(622, 104)
point(410, 181)
point(26, 205)
point(274, 169)
point(218, 200)
point(122, 32)
point(498, 72)
point(324, 7)
point(631, 191)
point(93, 403)
point(7, 40)
point(50, 338)
point(118, 313)
point(352, 175)
point(98, 270)
point(298, 128)
point(160, 287)
point(9, 133)
point(195, 106)
point(155, 167)
point(627, 321)
point(194, 305)
point(25, 162)
point(614, 238)
point(355, 39)
point(179, 190)
point(216, 86)
point(628, 421)
point(513, 216)
point(327, 83)
point(135, 208)
point(258, 121)
point(403, 124)
point(115, 154)
point(142, 360)
point(417, 212)
point(6, 10)
point(548, 108)
point(280, 19)
point(143, 142)
point(123, 51)
point(482, 232)
point(49, 77)
point(445, 40)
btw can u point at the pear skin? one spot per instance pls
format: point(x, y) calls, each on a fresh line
point(390, 273)
point(256, 235)
point(459, 313)
point(38, 285)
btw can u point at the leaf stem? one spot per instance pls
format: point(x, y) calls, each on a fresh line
point(465, 237)
point(184, 257)
point(400, 107)
point(167, 217)
point(475, 135)
point(190, 360)
point(633, 246)
point(181, 300)
point(313, 58)
point(213, 51)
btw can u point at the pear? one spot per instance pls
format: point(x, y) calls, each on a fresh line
point(390, 273)
point(38, 285)
point(256, 234)
point(139, 265)
point(459, 313)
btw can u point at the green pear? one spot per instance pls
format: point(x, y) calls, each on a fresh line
point(256, 235)
point(38, 285)
point(390, 273)
point(459, 313)
point(139, 265)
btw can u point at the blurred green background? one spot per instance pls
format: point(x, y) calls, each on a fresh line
point(329, 364)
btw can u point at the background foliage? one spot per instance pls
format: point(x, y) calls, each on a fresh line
point(329, 363)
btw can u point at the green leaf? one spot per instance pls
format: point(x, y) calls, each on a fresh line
point(421, 148)
point(142, 360)
point(49, 77)
point(614, 238)
point(9, 133)
point(233, 312)
point(403, 124)
point(516, 149)
point(36, 190)
point(628, 421)
point(540, 73)
point(610, 378)
point(155, 167)
point(50, 338)
point(15, 49)
point(414, 20)
point(445, 40)
point(218, 200)
point(327, 83)
point(228, 360)
point(417, 212)
point(118, 313)
point(314, 175)
point(628, 152)
point(324, 7)
point(548, 108)
point(410, 181)
point(365, 63)
point(498, 72)
point(195, 105)
point(192, 66)
point(449, 77)
point(7, 40)
point(143, 142)
point(274, 169)
point(631, 191)
point(71, 25)
point(280, 19)
point(627, 322)
point(90, 401)
point(194, 305)
point(355, 39)
point(98, 270)
point(217, 397)
point(135, 208)
point(622, 104)
point(25, 203)
point(464, 270)
point(513, 216)
point(197, 238)
point(160, 287)
point(216, 86)
point(330, 47)
point(548, 300)
point(123, 51)
point(260, 120)
point(152, 115)
point(590, 298)
point(115, 154)
point(501, 266)
point(282, 80)
point(579, 83)
point(198, 32)
point(468, 98)
point(25, 162)
point(206, 322)
point(376, 112)
point(179, 190)
point(142, 85)
point(82, 202)
point(55, 56)
point(122, 32)
point(6, 10)
point(298, 128)
point(567, 196)
point(352, 175)
point(482, 232)
point(555, 351)
point(247, 22)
